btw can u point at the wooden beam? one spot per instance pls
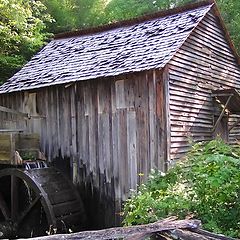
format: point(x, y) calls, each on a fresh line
point(9, 110)
point(28, 210)
point(11, 130)
point(222, 113)
point(22, 114)
point(133, 232)
point(221, 95)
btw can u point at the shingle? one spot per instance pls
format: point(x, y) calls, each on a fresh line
point(143, 46)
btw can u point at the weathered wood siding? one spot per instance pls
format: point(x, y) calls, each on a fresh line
point(110, 132)
point(234, 136)
point(205, 62)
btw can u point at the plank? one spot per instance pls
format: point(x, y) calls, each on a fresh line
point(132, 147)
point(141, 99)
point(122, 153)
point(61, 197)
point(161, 121)
point(115, 151)
point(152, 119)
point(9, 110)
point(74, 132)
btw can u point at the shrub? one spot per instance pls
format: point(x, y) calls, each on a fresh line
point(205, 185)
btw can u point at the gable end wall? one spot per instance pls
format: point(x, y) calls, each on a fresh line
point(204, 63)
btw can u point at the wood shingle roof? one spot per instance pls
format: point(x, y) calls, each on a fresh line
point(133, 48)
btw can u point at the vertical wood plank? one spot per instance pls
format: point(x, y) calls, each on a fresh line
point(132, 148)
point(152, 121)
point(74, 131)
point(123, 149)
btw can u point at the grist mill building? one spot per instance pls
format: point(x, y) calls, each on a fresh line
point(113, 102)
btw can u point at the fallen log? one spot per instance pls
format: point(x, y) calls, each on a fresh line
point(165, 229)
point(133, 232)
point(195, 234)
point(210, 234)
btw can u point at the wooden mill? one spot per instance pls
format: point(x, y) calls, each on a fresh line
point(113, 102)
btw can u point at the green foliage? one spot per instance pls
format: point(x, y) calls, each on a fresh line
point(231, 15)
point(205, 185)
point(72, 14)
point(22, 24)
point(22, 32)
point(9, 65)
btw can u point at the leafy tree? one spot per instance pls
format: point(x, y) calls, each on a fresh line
point(120, 9)
point(22, 32)
point(72, 14)
point(63, 11)
point(231, 15)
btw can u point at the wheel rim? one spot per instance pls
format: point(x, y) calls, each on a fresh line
point(37, 201)
point(24, 204)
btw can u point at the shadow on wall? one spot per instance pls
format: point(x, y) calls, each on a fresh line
point(99, 208)
point(98, 202)
point(194, 123)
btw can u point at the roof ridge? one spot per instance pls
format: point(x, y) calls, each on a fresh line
point(132, 21)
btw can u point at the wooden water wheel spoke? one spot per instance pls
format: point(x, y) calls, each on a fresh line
point(14, 198)
point(4, 208)
point(28, 210)
point(35, 199)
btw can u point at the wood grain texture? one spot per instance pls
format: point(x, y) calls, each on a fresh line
point(106, 130)
point(204, 63)
point(131, 232)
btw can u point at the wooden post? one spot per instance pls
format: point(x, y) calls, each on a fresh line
point(163, 117)
point(222, 113)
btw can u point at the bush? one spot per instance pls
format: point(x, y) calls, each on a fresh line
point(205, 185)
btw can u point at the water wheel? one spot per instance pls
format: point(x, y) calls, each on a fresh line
point(36, 201)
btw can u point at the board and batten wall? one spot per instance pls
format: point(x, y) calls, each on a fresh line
point(204, 63)
point(108, 133)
